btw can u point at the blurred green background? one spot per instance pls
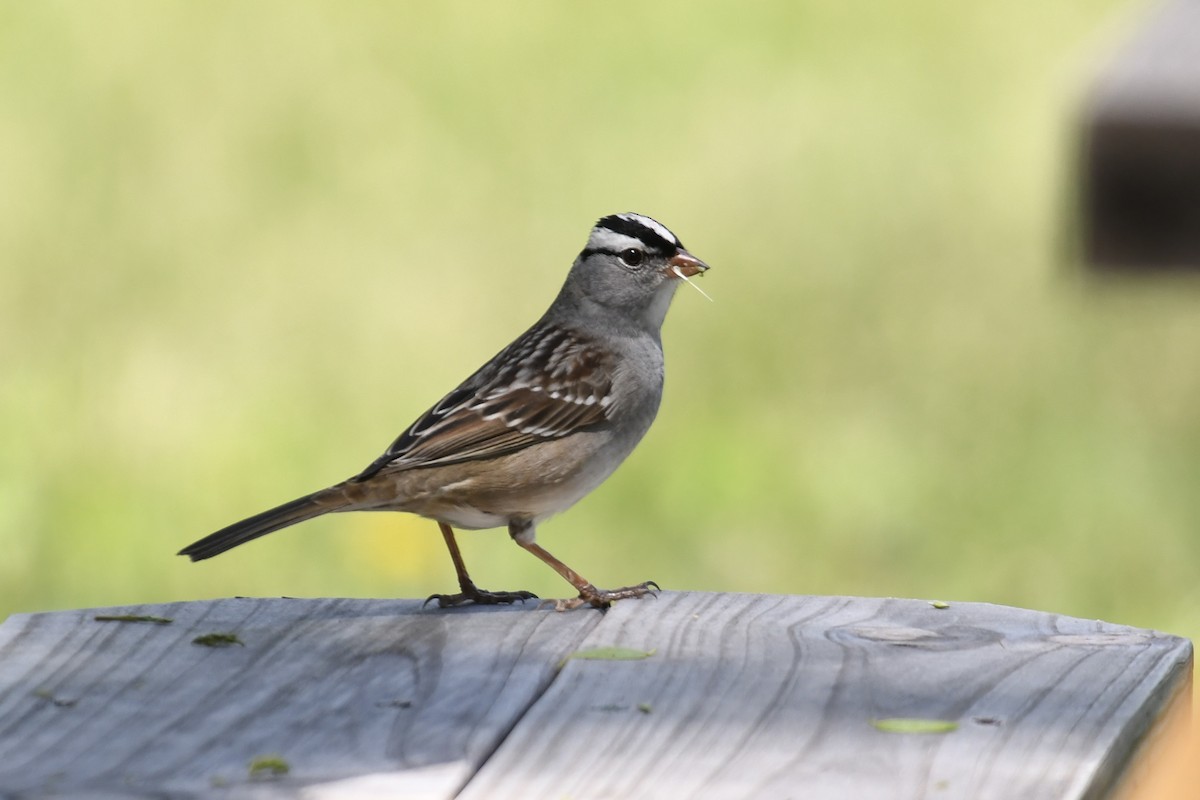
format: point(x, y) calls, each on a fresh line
point(244, 245)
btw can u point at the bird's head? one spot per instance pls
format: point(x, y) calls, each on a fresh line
point(632, 264)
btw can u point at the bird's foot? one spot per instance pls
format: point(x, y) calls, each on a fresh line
point(480, 597)
point(603, 598)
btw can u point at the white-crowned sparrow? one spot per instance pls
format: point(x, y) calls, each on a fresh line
point(538, 426)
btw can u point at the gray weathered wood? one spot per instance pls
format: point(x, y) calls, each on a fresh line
point(342, 689)
point(760, 696)
point(744, 696)
point(1141, 154)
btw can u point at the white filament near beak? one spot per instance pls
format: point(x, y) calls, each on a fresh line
point(679, 274)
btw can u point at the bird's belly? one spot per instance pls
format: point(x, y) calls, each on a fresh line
point(512, 488)
point(467, 517)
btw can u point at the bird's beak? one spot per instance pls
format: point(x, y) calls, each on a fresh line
point(684, 265)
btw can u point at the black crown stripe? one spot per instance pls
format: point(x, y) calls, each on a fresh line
point(636, 230)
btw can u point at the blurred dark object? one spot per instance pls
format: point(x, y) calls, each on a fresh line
point(1141, 156)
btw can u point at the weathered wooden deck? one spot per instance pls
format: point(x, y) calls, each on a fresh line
point(739, 696)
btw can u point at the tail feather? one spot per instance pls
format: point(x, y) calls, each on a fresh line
point(298, 510)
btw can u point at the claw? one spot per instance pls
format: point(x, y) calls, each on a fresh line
point(478, 597)
point(603, 598)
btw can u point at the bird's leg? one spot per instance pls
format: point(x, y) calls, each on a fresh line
point(523, 534)
point(468, 591)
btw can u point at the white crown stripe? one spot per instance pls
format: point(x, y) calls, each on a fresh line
point(604, 239)
point(652, 224)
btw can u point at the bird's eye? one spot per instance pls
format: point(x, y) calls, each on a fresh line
point(632, 257)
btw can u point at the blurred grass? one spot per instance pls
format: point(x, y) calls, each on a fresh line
point(244, 245)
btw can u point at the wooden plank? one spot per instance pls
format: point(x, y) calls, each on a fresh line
point(358, 696)
point(766, 696)
point(1141, 152)
point(745, 695)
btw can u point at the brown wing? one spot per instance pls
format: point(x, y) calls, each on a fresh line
point(547, 384)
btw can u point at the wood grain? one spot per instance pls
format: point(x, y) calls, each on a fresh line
point(742, 696)
point(413, 698)
point(764, 697)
